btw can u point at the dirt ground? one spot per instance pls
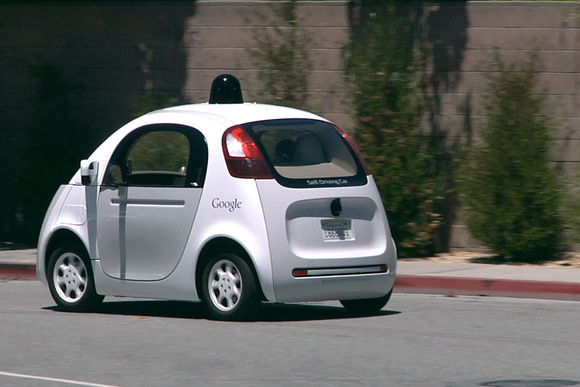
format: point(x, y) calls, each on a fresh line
point(571, 260)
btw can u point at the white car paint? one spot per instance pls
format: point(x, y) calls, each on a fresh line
point(145, 241)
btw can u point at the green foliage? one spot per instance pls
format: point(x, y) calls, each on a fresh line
point(387, 75)
point(160, 151)
point(282, 58)
point(50, 147)
point(511, 195)
point(149, 101)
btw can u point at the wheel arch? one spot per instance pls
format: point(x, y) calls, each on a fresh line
point(58, 238)
point(218, 246)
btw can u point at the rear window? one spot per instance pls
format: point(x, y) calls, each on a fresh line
point(307, 153)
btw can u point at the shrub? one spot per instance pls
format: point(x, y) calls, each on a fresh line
point(511, 195)
point(386, 71)
point(282, 58)
point(151, 100)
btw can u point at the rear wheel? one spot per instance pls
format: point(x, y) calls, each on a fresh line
point(368, 305)
point(70, 279)
point(229, 288)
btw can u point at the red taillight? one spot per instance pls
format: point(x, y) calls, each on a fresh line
point(300, 273)
point(243, 157)
point(355, 149)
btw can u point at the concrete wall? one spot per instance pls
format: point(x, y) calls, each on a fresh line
point(514, 30)
point(122, 49)
point(113, 52)
point(219, 37)
point(465, 35)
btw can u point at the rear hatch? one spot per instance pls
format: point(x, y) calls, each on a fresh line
point(323, 213)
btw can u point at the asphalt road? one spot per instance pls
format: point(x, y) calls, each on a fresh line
point(417, 340)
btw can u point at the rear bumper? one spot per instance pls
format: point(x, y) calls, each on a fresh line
point(358, 277)
point(299, 279)
point(334, 287)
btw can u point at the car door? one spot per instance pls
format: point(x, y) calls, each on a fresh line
point(148, 201)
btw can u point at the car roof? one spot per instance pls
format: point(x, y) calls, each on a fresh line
point(239, 113)
point(210, 119)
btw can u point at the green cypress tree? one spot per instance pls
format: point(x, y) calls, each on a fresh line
point(386, 67)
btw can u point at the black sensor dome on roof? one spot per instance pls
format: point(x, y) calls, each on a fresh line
point(226, 88)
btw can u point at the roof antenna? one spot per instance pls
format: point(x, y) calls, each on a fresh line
point(226, 88)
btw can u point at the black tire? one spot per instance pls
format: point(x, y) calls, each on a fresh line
point(229, 289)
point(70, 279)
point(368, 305)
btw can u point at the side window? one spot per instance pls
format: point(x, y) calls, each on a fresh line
point(161, 156)
point(158, 159)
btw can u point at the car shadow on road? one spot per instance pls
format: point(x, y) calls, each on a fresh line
point(269, 312)
point(309, 312)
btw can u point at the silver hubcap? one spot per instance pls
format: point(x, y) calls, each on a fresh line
point(70, 277)
point(225, 285)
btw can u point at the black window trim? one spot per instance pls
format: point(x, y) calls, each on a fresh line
point(197, 162)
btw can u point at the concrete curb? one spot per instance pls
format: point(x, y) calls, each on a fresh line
point(417, 284)
point(25, 271)
point(452, 286)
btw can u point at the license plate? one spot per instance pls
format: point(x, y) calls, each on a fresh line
point(337, 230)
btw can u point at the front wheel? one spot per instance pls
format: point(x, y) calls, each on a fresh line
point(368, 305)
point(229, 288)
point(70, 279)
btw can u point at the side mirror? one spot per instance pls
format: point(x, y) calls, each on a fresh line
point(89, 171)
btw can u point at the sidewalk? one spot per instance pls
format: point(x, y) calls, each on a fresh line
point(523, 281)
point(417, 276)
point(18, 264)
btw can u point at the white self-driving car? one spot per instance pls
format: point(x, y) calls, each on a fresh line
point(225, 202)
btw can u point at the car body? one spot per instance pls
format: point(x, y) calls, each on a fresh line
point(229, 203)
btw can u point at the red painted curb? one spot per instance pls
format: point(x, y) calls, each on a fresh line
point(449, 286)
point(487, 287)
point(17, 271)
